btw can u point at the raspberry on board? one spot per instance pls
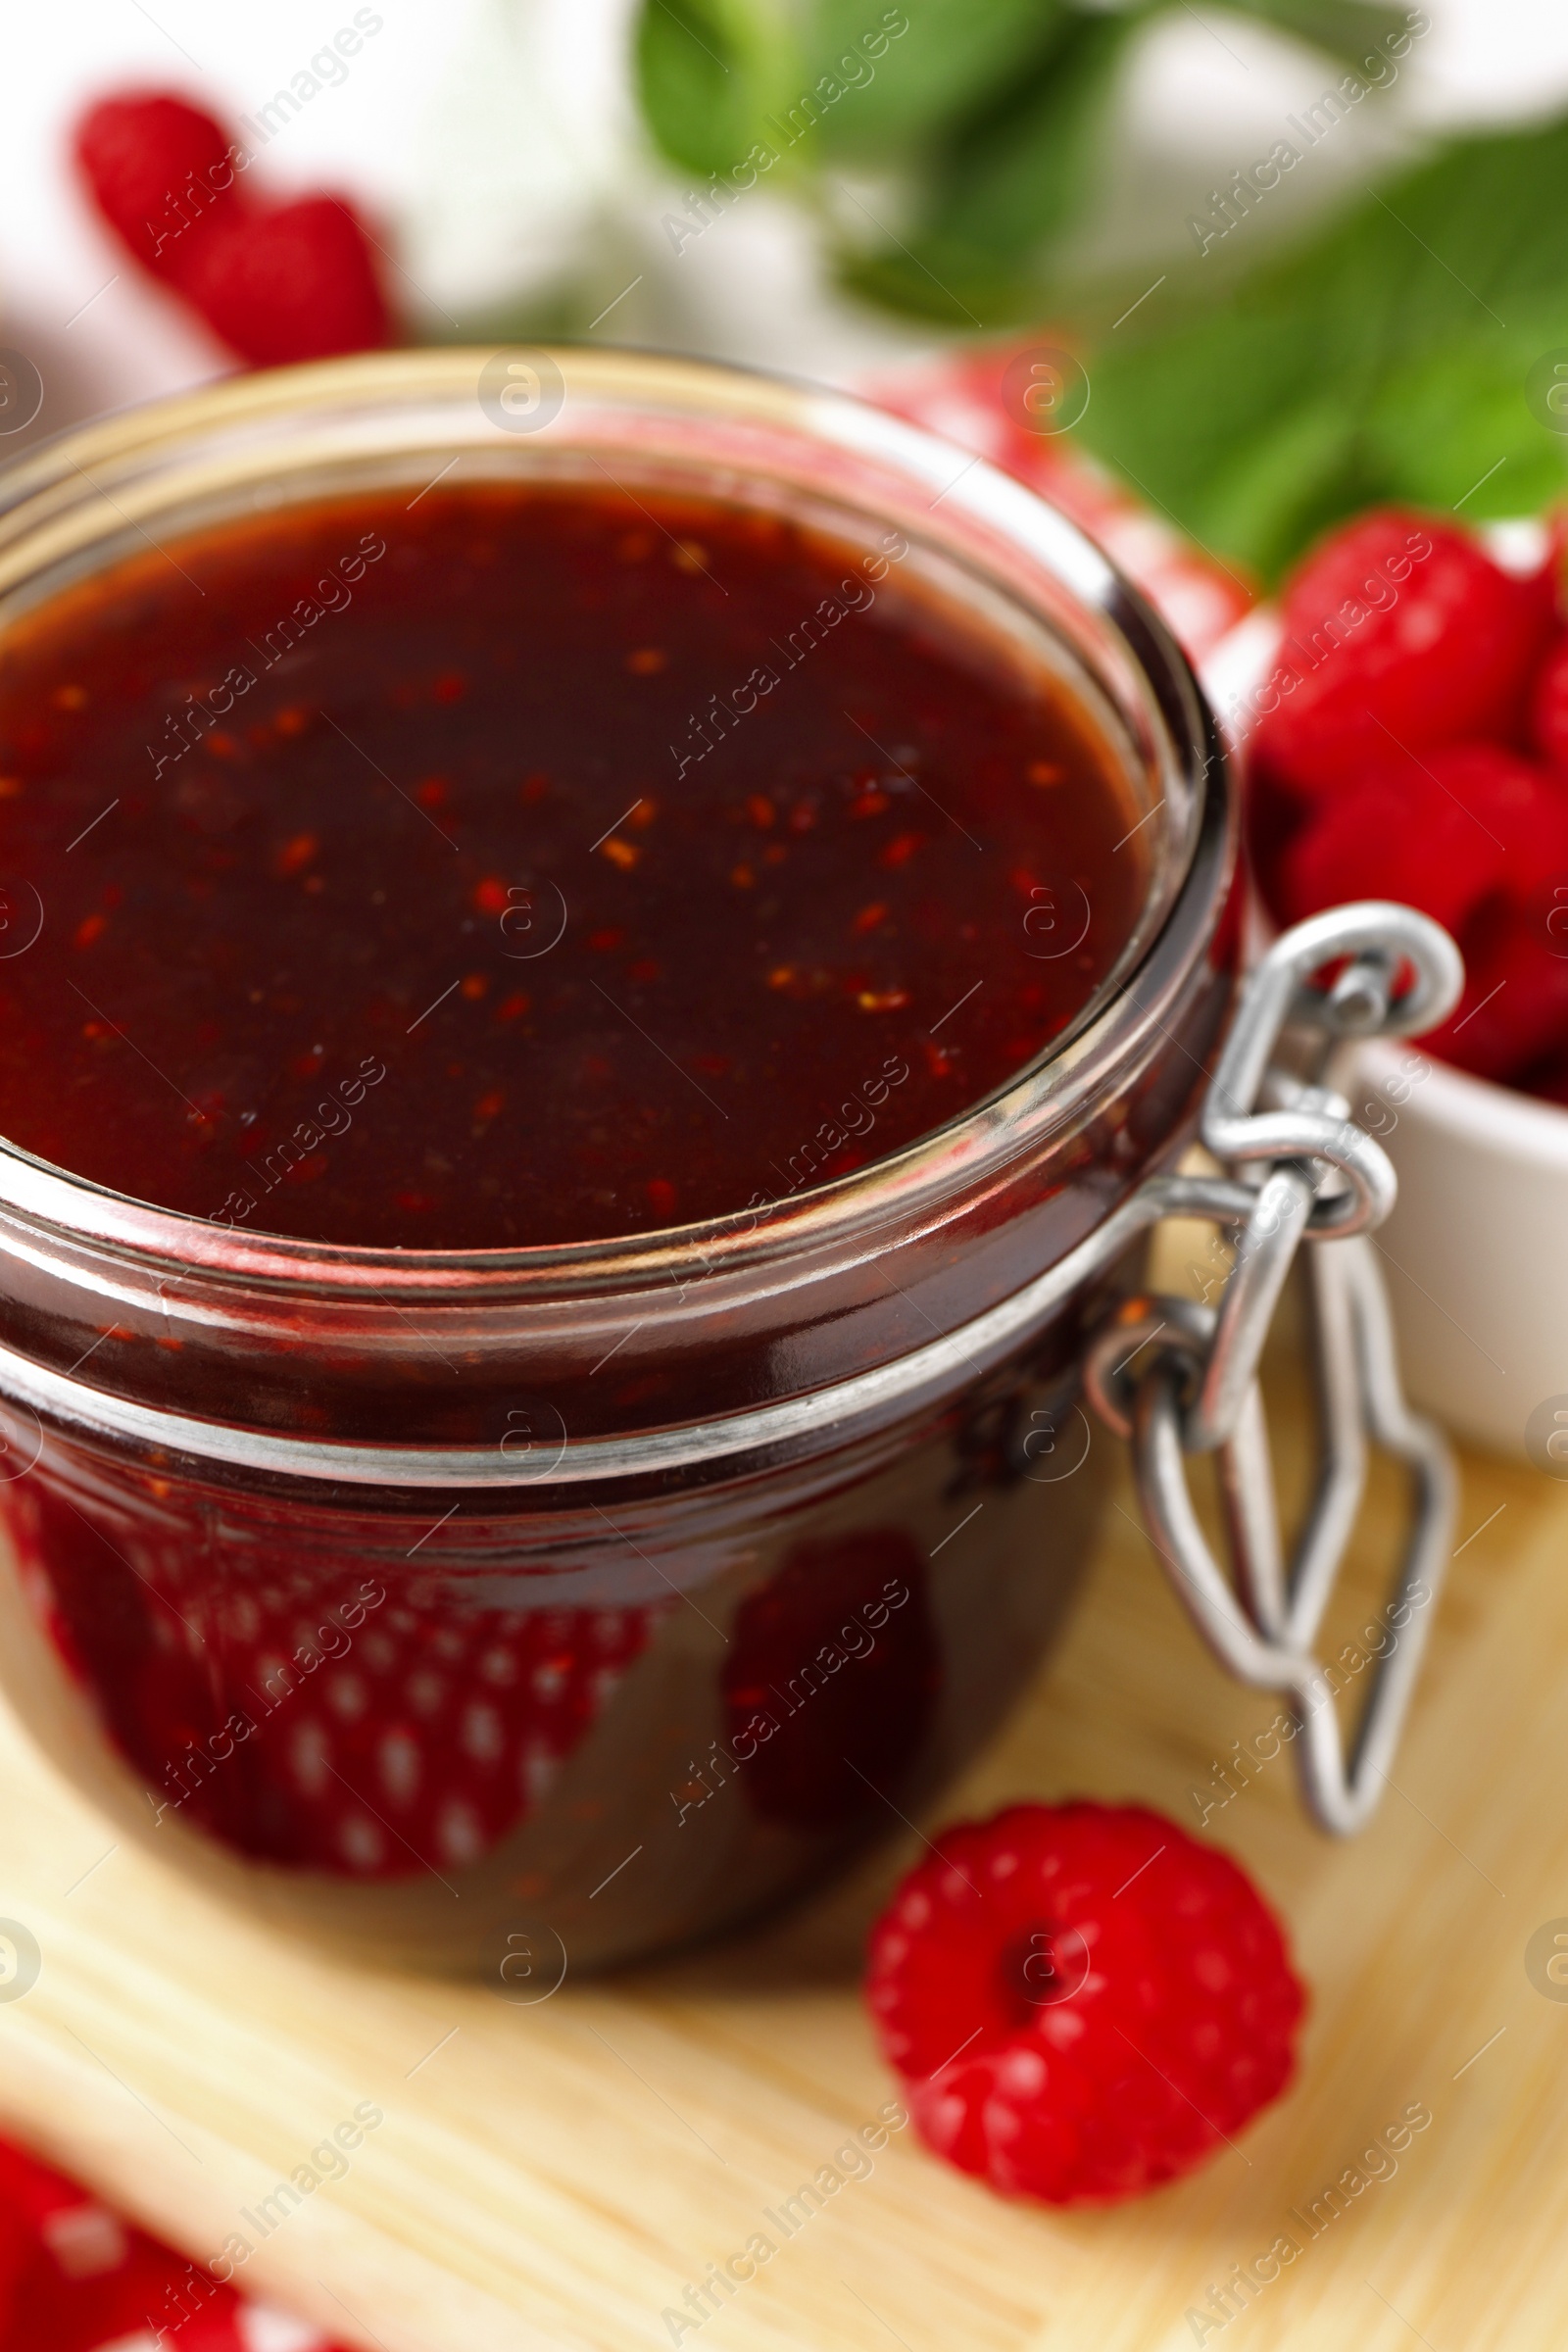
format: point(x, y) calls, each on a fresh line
point(1398, 630)
point(1084, 2001)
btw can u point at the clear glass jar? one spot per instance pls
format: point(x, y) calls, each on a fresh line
point(519, 1609)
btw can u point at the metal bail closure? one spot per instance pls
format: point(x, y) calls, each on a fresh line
point(1176, 1378)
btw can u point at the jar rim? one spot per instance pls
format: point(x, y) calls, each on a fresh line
point(235, 429)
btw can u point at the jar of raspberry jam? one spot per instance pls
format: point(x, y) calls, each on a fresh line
point(589, 943)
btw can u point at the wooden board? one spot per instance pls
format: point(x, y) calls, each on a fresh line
point(556, 2176)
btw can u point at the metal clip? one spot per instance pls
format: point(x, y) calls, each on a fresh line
point(1311, 1176)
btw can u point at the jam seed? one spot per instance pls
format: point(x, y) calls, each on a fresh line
point(490, 896)
point(900, 849)
point(91, 927)
point(661, 1195)
point(870, 919)
point(296, 854)
point(474, 986)
point(1046, 771)
point(759, 809)
point(882, 1000)
point(623, 853)
point(647, 661)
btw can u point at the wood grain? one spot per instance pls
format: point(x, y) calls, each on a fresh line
point(556, 2174)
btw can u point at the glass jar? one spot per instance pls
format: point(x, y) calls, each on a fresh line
point(522, 1609)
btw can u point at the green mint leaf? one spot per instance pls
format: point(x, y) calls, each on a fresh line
point(914, 83)
point(708, 73)
point(1387, 358)
point(1004, 187)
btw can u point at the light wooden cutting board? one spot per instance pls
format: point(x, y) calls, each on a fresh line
point(557, 2174)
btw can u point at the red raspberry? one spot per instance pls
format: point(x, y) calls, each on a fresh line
point(161, 172)
point(278, 284)
point(1549, 715)
point(1514, 1011)
point(1083, 2000)
point(294, 283)
point(1398, 630)
point(1441, 832)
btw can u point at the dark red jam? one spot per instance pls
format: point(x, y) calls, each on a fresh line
point(501, 865)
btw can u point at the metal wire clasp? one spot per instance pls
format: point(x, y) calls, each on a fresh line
point(1309, 1175)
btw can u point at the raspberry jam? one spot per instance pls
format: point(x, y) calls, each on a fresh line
point(530, 866)
point(553, 978)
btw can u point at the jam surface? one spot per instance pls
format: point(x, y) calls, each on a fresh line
point(504, 865)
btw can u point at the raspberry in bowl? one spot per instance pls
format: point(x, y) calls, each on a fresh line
point(1408, 723)
point(602, 931)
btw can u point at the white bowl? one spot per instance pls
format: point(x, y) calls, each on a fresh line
point(1474, 1250)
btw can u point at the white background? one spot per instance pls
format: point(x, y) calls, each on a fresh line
point(493, 143)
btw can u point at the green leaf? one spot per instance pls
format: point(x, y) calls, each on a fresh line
point(951, 57)
point(708, 72)
point(1007, 185)
point(1019, 172)
point(1386, 359)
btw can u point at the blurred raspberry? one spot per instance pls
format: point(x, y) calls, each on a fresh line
point(1441, 833)
point(1549, 717)
point(276, 282)
point(1513, 1016)
point(161, 172)
point(1399, 631)
point(297, 282)
point(1084, 2001)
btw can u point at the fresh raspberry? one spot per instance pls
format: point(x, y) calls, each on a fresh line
point(1514, 1011)
point(275, 282)
point(160, 173)
point(831, 1677)
point(1549, 711)
point(1391, 645)
point(1441, 832)
point(1084, 2001)
point(295, 283)
point(420, 1736)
